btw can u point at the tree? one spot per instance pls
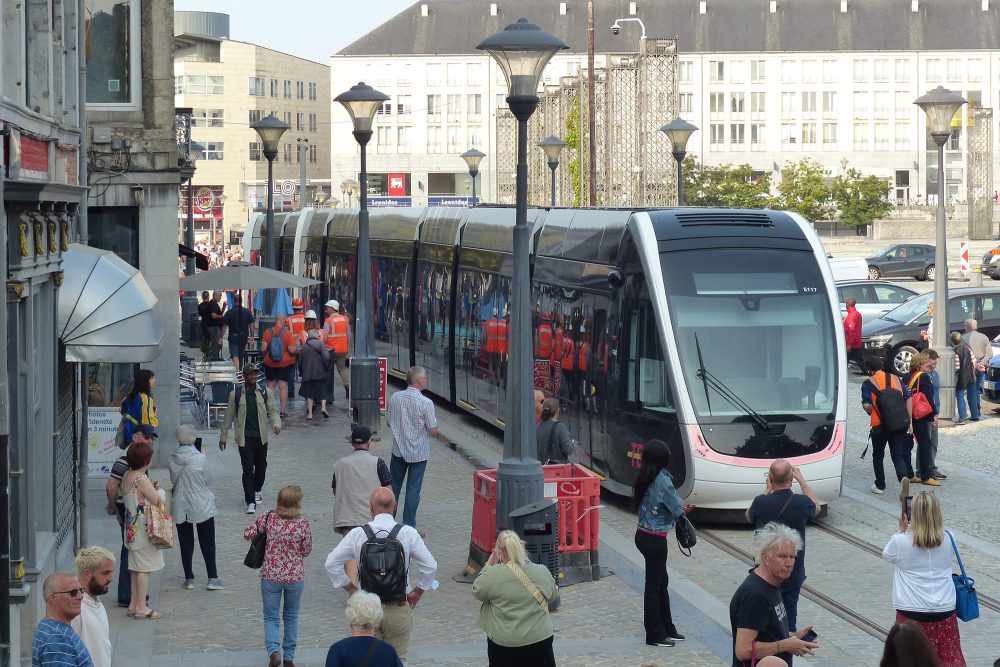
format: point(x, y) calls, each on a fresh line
point(725, 185)
point(803, 189)
point(861, 200)
point(572, 137)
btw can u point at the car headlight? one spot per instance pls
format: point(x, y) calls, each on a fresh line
point(877, 342)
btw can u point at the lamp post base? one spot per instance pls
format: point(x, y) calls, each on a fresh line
point(520, 482)
point(365, 392)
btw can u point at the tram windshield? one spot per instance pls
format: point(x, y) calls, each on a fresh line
point(759, 321)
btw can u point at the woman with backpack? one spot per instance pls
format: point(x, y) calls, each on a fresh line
point(314, 366)
point(137, 407)
point(918, 381)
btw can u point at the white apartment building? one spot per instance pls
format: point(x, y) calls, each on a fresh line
point(766, 81)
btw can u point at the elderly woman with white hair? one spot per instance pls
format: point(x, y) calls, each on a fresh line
point(364, 616)
point(757, 613)
point(193, 506)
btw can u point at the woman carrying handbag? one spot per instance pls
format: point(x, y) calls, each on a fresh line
point(918, 381)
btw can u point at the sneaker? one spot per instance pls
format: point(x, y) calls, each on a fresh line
point(661, 642)
point(188, 585)
point(975, 419)
point(959, 422)
point(257, 497)
point(930, 481)
point(877, 491)
point(251, 508)
point(215, 585)
point(938, 475)
point(675, 636)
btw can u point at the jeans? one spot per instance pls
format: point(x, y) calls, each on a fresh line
point(925, 447)
point(900, 446)
point(206, 540)
point(790, 596)
point(967, 393)
point(976, 395)
point(253, 458)
point(656, 616)
point(414, 474)
point(124, 578)
point(271, 592)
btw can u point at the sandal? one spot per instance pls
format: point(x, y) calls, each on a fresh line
point(130, 614)
point(326, 415)
point(153, 615)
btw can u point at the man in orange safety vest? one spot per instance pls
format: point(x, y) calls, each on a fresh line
point(338, 335)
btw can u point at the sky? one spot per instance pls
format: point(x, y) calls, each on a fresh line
point(313, 29)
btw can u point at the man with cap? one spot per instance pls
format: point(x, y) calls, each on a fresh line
point(248, 412)
point(355, 477)
point(297, 320)
point(338, 336)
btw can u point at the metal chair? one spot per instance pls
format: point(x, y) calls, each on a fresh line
point(218, 394)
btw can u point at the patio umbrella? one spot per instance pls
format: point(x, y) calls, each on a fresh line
point(282, 304)
point(240, 276)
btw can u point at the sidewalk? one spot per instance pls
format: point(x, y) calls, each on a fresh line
point(599, 622)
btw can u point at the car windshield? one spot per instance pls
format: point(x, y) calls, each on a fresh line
point(908, 310)
point(885, 250)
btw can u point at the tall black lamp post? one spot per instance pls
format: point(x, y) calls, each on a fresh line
point(522, 51)
point(362, 102)
point(552, 145)
point(194, 151)
point(940, 106)
point(270, 130)
point(472, 158)
point(679, 131)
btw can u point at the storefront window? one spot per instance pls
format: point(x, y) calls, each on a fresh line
point(115, 228)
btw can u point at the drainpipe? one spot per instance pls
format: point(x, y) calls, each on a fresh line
point(82, 443)
point(5, 658)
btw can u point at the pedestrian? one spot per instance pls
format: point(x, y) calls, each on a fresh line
point(554, 441)
point(982, 352)
point(338, 336)
point(282, 577)
point(933, 357)
point(95, 568)
point(210, 313)
point(659, 508)
point(116, 506)
point(279, 360)
point(898, 440)
point(965, 378)
point(757, 616)
point(852, 334)
point(411, 419)
point(249, 410)
point(397, 619)
point(297, 321)
point(928, 333)
point(137, 406)
point(906, 646)
point(193, 506)
point(364, 617)
point(314, 367)
point(539, 400)
point(515, 614)
point(922, 589)
point(238, 321)
point(780, 504)
point(919, 380)
point(56, 644)
point(143, 558)
point(355, 477)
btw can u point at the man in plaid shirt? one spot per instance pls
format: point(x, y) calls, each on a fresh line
point(411, 419)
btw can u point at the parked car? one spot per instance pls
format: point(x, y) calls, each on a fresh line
point(895, 337)
point(991, 384)
point(848, 268)
point(915, 260)
point(874, 298)
point(991, 264)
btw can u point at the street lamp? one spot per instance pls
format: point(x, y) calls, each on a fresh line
point(940, 106)
point(679, 131)
point(843, 165)
point(362, 102)
point(552, 145)
point(472, 158)
point(522, 51)
point(349, 187)
point(270, 130)
point(187, 173)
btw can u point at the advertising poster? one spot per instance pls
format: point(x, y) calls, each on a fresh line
point(102, 452)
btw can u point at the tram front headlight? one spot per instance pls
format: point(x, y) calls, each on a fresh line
point(877, 342)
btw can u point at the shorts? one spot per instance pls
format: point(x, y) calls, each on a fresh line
point(278, 373)
point(237, 350)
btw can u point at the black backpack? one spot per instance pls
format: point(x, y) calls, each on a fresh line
point(382, 566)
point(890, 406)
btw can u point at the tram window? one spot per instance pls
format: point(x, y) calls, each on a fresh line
point(633, 348)
point(654, 387)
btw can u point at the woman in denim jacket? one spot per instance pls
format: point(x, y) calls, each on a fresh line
point(659, 506)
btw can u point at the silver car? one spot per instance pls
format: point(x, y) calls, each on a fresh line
point(874, 297)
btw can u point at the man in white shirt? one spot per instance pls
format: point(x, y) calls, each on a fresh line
point(96, 569)
point(342, 566)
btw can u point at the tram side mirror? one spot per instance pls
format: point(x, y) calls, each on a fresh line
point(616, 279)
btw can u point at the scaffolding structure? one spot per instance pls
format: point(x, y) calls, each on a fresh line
point(980, 179)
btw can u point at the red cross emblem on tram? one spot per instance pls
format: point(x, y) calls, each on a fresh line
point(636, 454)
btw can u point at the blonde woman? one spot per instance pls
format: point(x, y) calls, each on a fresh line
point(515, 614)
point(922, 589)
point(289, 542)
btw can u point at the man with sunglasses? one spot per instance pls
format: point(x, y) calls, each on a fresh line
point(56, 644)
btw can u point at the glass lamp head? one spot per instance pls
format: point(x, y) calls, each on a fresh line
point(472, 158)
point(522, 50)
point(552, 145)
point(270, 130)
point(362, 102)
point(679, 131)
point(940, 105)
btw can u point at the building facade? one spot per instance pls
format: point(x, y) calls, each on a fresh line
point(229, 85)
point(766, 81)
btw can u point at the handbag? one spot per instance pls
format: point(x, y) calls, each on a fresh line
point(966, 598)
point(258, 546)
point(921, 406)
point(159, 527)
point(120, 441)
point(687, 537)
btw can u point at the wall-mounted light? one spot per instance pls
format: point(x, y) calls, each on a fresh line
point(138, 194)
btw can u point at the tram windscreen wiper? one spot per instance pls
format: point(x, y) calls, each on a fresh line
point(702, 373)
point(715, 383)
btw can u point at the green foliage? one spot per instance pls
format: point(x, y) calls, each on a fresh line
point(573, 134)
point(861, 199)
point(803, 189)
point(725, 185)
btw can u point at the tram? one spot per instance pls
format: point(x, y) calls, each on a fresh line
point(712, 329)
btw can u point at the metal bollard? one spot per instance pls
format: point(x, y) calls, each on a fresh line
point(976, 279)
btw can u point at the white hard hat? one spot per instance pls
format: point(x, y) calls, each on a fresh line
point(310, 314)
point(333, 303)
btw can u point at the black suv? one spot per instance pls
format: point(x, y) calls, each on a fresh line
point(895, 337)
point(915, 260)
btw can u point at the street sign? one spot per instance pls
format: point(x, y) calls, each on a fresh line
point(383, 370)
point(963, 253)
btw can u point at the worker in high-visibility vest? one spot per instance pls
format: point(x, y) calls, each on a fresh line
point(567, 362)
point(338, 335)
point(495, 334)
point(297, 321)
point(543, 341)
point(312, 331)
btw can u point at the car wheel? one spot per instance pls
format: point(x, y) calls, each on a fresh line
point(901, 359)
point(874, 273)
point(929, 272)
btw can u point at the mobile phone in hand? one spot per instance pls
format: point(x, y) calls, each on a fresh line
point(908, 508)
point(197, 444)
point(810, 636)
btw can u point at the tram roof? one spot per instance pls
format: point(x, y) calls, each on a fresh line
point(391, 223)
point(489, 227)
point(678, 224)
point(586, 235)
point(442, 225)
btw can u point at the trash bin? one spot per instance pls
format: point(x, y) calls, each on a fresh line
point(538, 526)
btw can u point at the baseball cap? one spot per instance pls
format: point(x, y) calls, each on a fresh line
point(251, 368)
point(360, 435)
point(333, 303)
point(310, 314)
point(147, 430)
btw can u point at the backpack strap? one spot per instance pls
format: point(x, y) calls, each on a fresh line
point(369, 532)
point(370, 655)
point(395, 531)
point(785, 506)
